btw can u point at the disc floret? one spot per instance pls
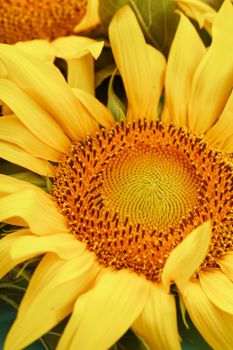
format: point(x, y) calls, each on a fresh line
point(134, 192)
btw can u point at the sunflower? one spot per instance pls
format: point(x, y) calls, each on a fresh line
point(45, 29)
point(139, 209)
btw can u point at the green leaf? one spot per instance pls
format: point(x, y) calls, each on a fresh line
point(49, 185)
point(130, 341)
point(22, 272)
point(9, 301)
point(104, 73)
point(104, 65)
point(107, 8)
point(11, 285)
point(115, 105)
point(30, 177)
point(21, 173)
point(8, 168)
point(157, 19)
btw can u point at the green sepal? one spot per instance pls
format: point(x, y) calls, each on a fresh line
point(114, 103)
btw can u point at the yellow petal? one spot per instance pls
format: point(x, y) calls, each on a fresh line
point(10, 184)
point(228, 145)
point(32, 115)
point(41, 49)
point(133, 59)
point(36, 209)
point(108, 309)
point(166, 116)
point(158, 67)
point(79, 52)
point(3, 72)
point(218, 288)
point(12, 130)
point(46, 85)
point(187, 256)
point(17, 155)
point(215, 325)
point(226, 264)
point(185, 54)
point(223, 128)
point(5, 243)
point(49, 298)
point(157, 323)
point(22, 245)
point(211, 86)
point(96, 109)
point(199, 11)
point(71, 47)
point(91, 18)
point(80, 73)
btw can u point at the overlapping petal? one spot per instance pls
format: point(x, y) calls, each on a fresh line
point(133, 60)
point(221, 133)
point(41, 49)
point(13, 131)
point(21, 245)
point(213, 79)
point(36, 209)
point(226, 264)
point(218, 288)
point(10, 185)
point(185, 54)
point(19, 156)
point(215, 325)
point(50, 297)
point(79, 53)
point(33, 116)
point(109, 309)
point(157, 323)
point(46, 85)
point(96, 109)
point(72, 47)
point(182, 263)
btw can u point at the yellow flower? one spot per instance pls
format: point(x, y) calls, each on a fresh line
point(136, 206)
point(45, 29)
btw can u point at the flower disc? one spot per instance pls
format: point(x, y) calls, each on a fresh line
point(39, 19)
point(132, 193)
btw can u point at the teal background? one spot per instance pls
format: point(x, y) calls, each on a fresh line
point(7, 315)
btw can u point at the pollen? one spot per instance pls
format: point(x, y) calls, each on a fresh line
point(134, 192)
point(23, 20)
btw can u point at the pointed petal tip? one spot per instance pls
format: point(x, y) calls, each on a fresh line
point(182, 263)
point(141, 66)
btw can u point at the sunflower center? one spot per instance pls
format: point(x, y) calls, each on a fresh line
point(150, 184)
point(39, 19)
point(132, 193)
